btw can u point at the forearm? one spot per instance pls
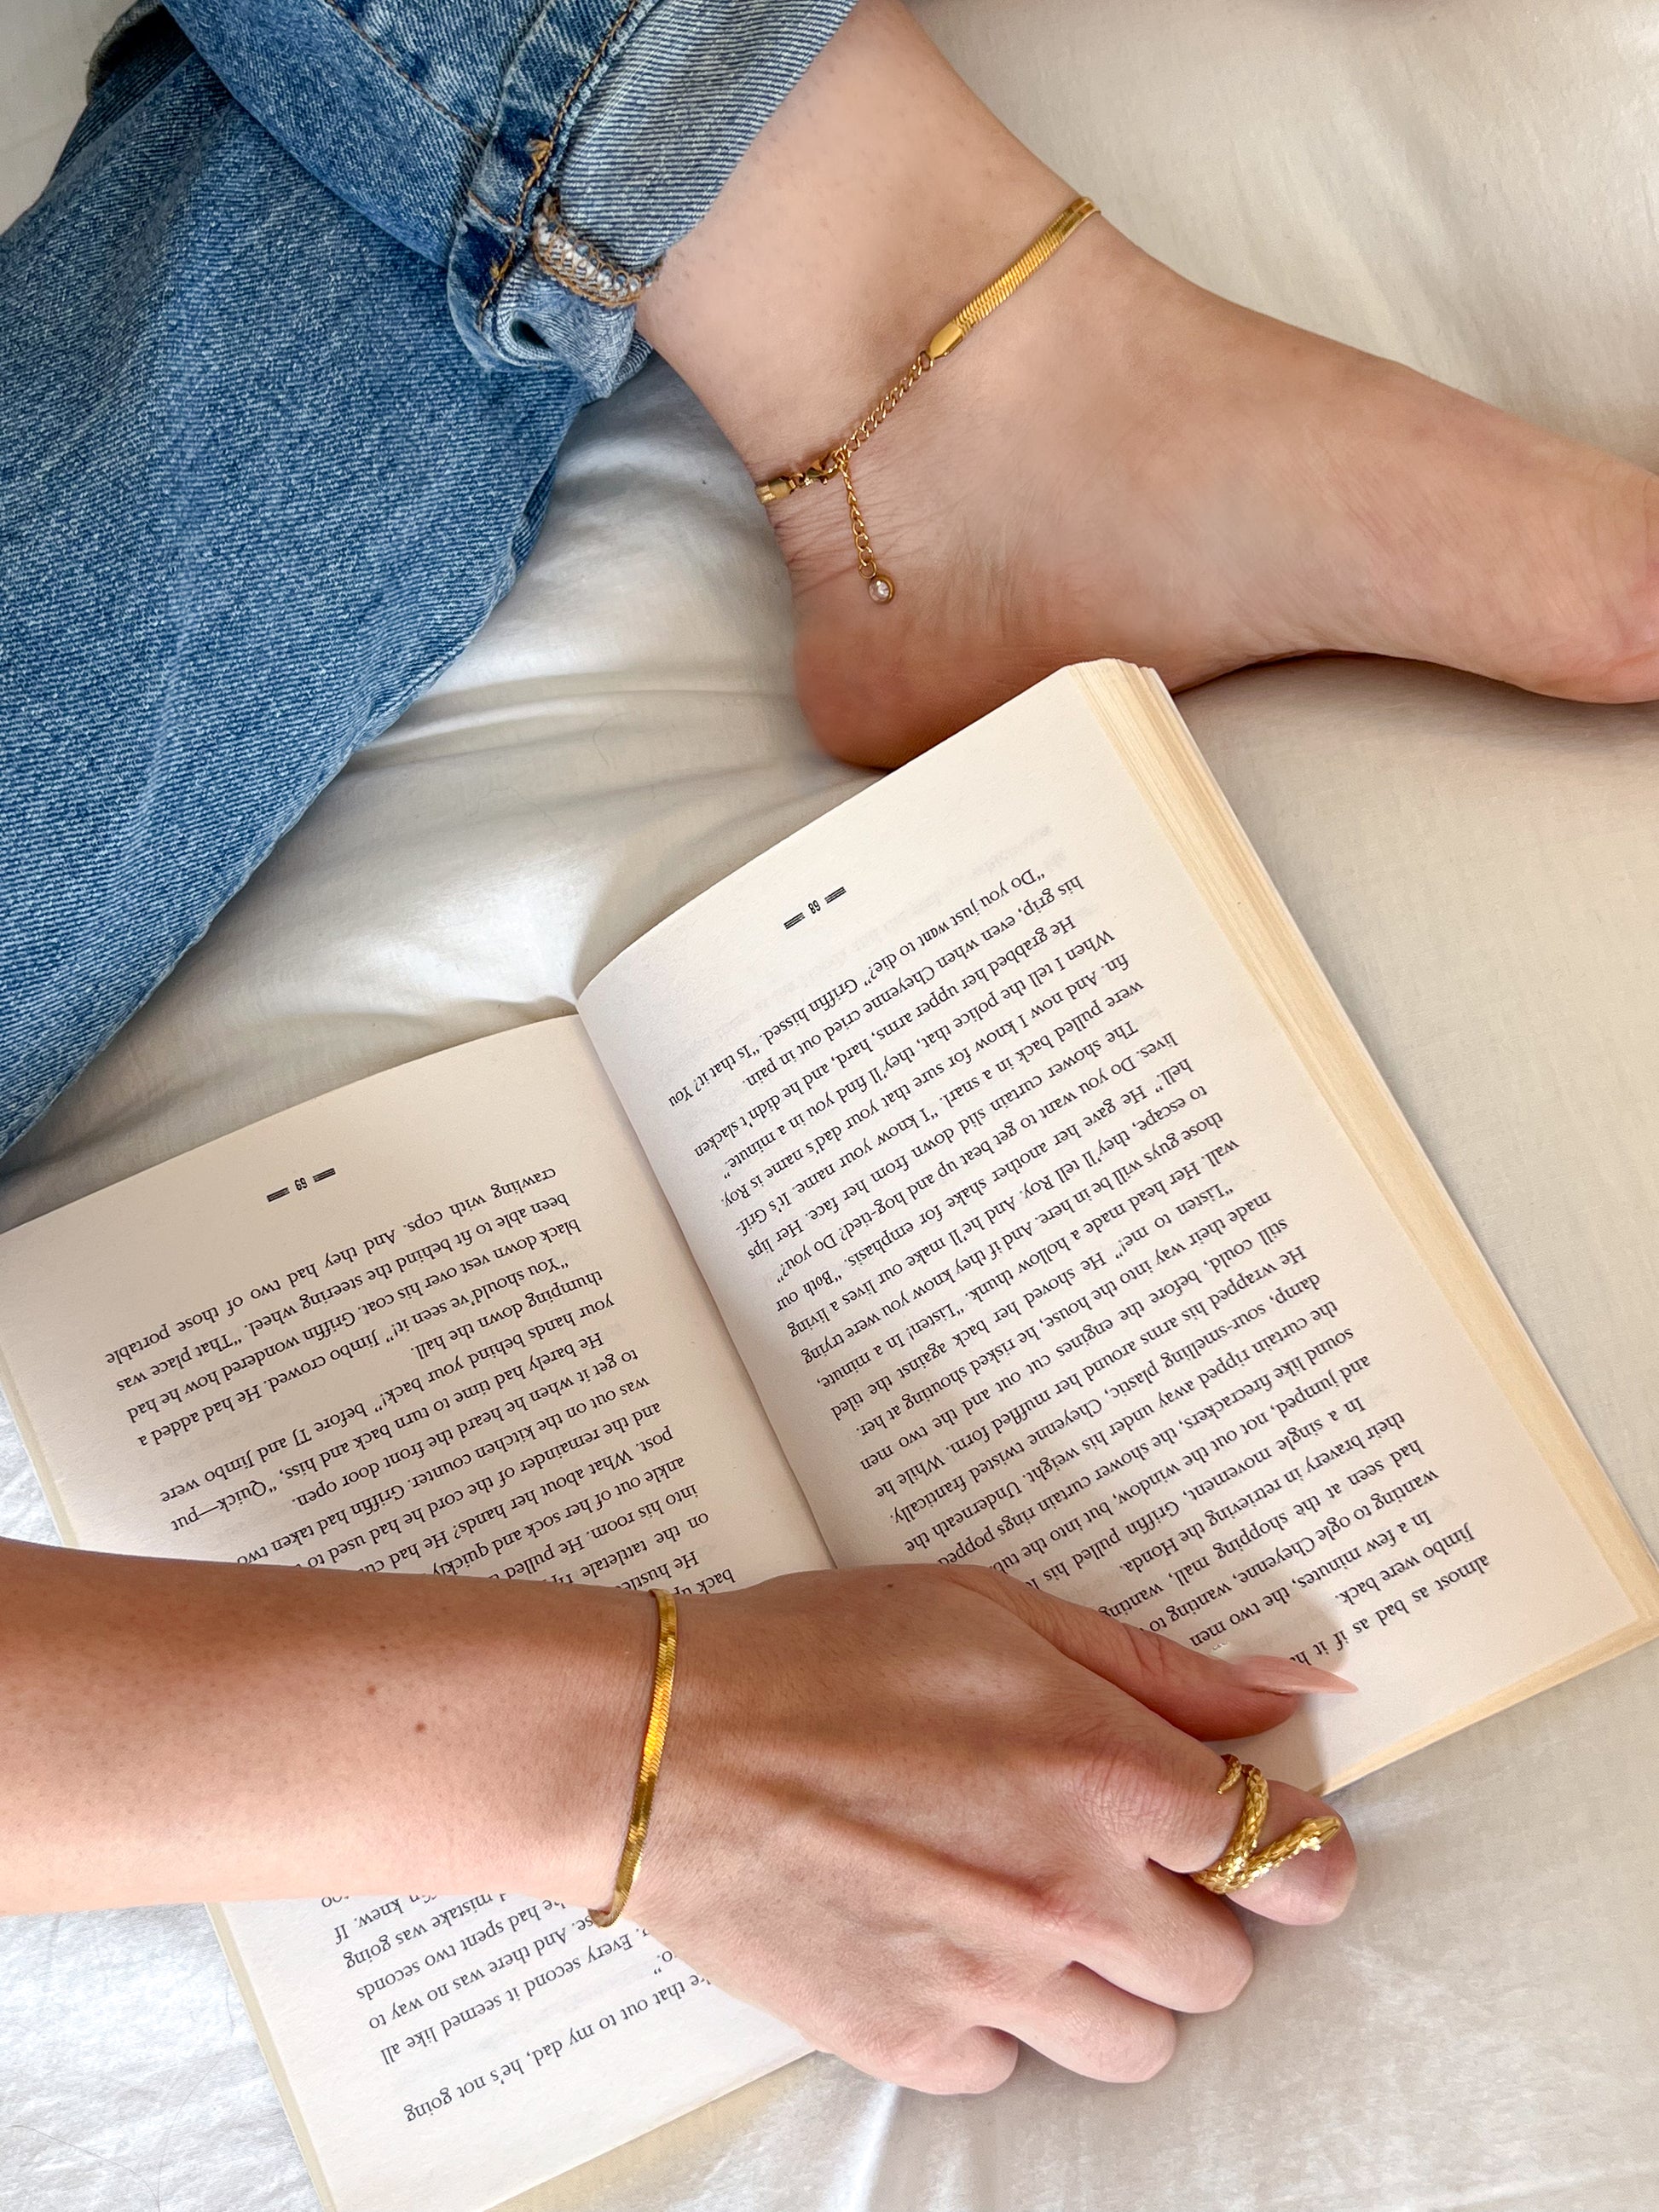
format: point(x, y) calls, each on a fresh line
point(173, 1730)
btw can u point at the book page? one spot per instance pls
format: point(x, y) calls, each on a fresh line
point(440, 1321)
point(1046, 1252)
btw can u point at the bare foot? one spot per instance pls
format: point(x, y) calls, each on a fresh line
point(1118, 463)
point(1115, 462)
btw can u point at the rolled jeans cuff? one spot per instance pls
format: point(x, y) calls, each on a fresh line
point(546, 156)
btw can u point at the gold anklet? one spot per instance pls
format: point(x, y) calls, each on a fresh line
point(838, 461)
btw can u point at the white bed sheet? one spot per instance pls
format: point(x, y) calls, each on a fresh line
point(1480, 874)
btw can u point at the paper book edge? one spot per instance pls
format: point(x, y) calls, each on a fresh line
point(1175, 781)
point(1631, 1637)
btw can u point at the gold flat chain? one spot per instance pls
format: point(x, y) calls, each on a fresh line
point(838, 460)
point(656, 1732)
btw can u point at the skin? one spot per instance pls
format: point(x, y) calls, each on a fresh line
point(923, 1814)
point(1115, 463)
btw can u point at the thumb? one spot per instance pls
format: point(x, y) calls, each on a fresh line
point(1203, 1697)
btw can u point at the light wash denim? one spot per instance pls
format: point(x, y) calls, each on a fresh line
point(287, 349)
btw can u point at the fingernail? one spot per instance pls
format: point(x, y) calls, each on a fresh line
point(1288, 1677)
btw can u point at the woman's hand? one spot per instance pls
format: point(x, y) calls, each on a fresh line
point(924, 1814)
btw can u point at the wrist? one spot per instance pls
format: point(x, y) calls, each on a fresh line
point(579, 1681)
point(462, 1734)
point(174, 1730)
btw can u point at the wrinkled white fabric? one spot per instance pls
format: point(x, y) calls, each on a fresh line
point(1463, 183)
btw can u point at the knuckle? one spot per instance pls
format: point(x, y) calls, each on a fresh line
point(979, 1981)
point(1056, 1912)
point(1162, 1665)
point(903, 2051)
point(1127, 1788)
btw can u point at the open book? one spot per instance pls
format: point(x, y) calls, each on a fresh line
point(985, 1174)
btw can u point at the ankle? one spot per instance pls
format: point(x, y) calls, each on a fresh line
point(990, 431)
point(879, 197)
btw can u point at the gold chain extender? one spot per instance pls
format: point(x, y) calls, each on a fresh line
point(838, 461)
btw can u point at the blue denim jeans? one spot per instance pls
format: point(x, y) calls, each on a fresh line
point(288, 350)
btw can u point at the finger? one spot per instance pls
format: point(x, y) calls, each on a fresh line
point(1196, 1824)
point(1170, 1943)
point(940, 2062)
point(1084, 2024)
point(1201, 1696)
point(1311, 1888)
